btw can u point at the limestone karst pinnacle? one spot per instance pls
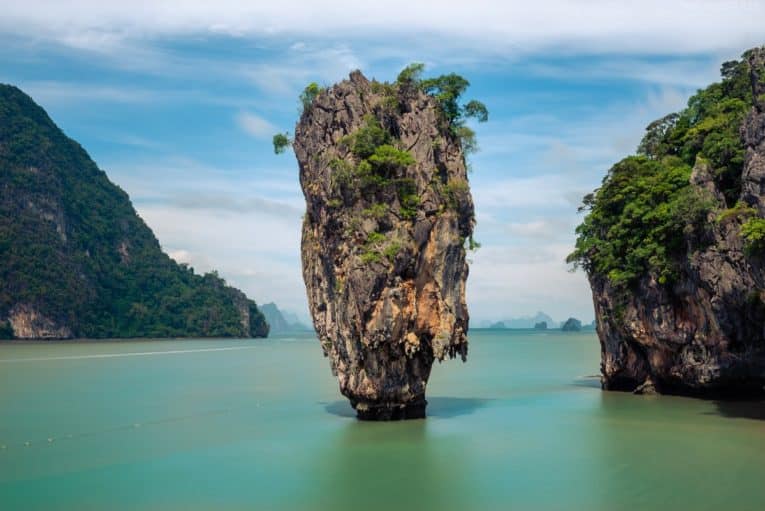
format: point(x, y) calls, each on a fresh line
point(388, 212)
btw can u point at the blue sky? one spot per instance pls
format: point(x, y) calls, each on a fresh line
point(177, 102)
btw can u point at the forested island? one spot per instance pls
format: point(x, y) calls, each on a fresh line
point(673, 243)
point(76, 260)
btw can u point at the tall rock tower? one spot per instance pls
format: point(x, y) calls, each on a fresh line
point(388, 213)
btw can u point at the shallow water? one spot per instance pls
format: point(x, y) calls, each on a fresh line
point(233, 424)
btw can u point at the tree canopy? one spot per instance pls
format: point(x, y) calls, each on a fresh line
point(635, 221)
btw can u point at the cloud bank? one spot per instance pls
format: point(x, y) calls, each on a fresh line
point(489, 26)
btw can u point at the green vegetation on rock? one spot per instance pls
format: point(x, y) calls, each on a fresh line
point(753, 231)
point(6, 330)
point(309, 94)
point(281, 142)
point(73, 249)
point(373, 160)
point(447, 90)
point(634, 219)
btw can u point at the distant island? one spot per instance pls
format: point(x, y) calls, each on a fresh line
point(540, 321)
point(571, 325)
point(282, 321)
point(77, 261)
point(521, 322)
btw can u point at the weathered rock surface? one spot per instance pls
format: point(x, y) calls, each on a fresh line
point(385, 279)
point(705, 335)
point(28, 323)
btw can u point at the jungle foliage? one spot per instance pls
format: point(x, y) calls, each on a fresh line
point(635, 220)
point(73, 248)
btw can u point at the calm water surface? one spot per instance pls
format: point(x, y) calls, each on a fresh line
point(259, 425)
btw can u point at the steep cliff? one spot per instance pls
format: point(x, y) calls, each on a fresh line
point(75, 258)
point(674, 246)
point(388, 211)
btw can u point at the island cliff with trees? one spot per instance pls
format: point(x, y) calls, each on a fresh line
point(76, 260)
point(389, 219)
point(673, 244)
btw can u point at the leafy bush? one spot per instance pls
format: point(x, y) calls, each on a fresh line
point(392, 250)
point(377, 211)
point(281, 142)
point(386, 159)
point(368, 138)
point(408, 198)
point(309, 94)
point(410, 74)
point(753, 232)
point(634, 219)
point(740, 210)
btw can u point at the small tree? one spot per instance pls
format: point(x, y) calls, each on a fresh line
point(410, 74)
point(447, 90)
point(309, 94)
point(654, 141)
point(281, 142)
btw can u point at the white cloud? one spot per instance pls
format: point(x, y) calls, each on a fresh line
point(180, 256)
point(500, 27)
point(255, 252)
point(255, 125)
point(302, 64)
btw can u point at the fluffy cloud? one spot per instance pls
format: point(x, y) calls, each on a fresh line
point(255, 125)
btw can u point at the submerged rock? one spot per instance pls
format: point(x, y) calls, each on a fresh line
point(388, 210)
point(701, 330)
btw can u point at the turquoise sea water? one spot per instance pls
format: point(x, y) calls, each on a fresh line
point(260, 425)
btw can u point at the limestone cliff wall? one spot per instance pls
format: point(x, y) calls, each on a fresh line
point(706, 334)
point(28, 323)
point(385, 273)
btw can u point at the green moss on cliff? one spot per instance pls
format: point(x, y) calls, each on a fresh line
point(753, 231)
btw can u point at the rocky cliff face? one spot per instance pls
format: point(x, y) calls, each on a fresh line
point(706, 332)
point(27, 323)
point(388, 210)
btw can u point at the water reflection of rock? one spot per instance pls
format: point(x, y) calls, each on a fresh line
point(742, 409)
point(393, 465)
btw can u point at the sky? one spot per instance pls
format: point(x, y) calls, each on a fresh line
point(178, 100)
